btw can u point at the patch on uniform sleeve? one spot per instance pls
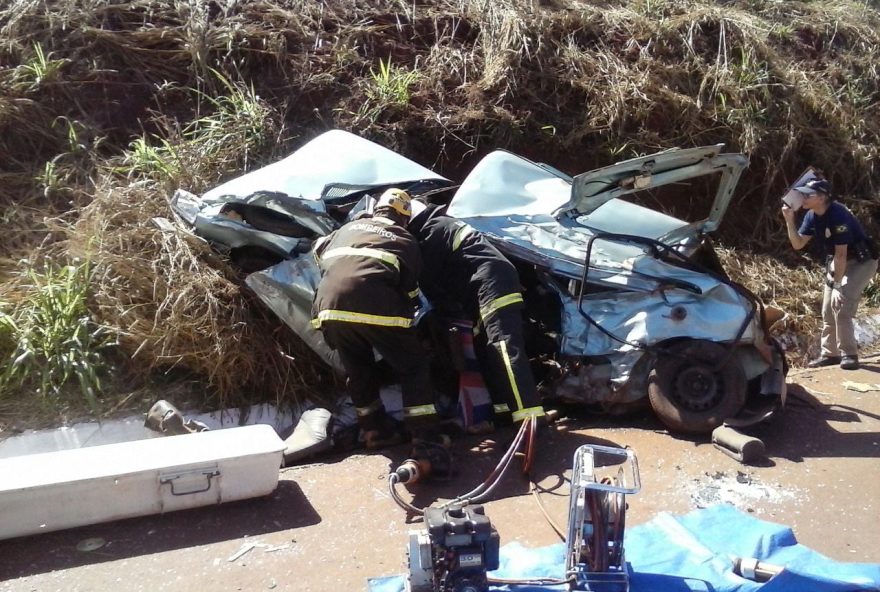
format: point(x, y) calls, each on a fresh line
point(841, 229)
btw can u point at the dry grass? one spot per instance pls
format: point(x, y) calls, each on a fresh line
point(105, 107)
point(795, 289)
point(174, 304)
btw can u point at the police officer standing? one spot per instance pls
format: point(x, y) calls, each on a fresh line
point(463, 270)
point(365, 301)
point(850, 263)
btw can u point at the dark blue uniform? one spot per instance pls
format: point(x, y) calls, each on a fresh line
point(463, 272)
point(837, 226)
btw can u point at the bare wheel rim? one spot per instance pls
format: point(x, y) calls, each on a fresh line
point(689, 389)
point(698, 388)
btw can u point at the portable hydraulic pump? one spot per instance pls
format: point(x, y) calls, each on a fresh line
point(454, 554)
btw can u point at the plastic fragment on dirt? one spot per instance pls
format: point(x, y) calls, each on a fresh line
point(861, 387)
point(248, 547)
point(244, 550)
point(90, 544)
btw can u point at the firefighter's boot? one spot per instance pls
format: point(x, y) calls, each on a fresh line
point(380, 430)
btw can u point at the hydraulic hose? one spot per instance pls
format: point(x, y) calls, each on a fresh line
point(480, 492)
point(410, 472)
point(485, 488)
point(393, 479)
point(531, 581)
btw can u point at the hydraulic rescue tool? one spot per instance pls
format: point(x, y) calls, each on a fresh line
point(427, 459)
point(594, 558)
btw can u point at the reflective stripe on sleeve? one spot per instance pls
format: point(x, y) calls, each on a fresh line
point(359, 317)
point(462, 233)
point(413, 294)
point(389, 258)
point(526, 413)
point(501, 302)
point(419, 410)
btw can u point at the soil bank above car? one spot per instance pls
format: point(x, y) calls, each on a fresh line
point(652, 317)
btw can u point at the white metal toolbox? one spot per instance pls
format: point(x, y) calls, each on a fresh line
point(67, 488)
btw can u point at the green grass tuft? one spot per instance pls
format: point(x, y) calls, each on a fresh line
point(38, 70)
point(389, 86)
point(235, 125)
point(48, 340)
point(154, 161)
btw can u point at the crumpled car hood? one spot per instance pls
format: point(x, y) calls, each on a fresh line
point(333, 159)
point(336, 164)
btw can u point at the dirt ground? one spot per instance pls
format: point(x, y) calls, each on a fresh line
point(331, 525)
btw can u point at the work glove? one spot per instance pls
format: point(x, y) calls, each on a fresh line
point(837, 299)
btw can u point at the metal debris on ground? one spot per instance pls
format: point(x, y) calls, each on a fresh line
point(740, 490)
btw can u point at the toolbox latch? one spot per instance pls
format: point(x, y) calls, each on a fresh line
point(190, 481)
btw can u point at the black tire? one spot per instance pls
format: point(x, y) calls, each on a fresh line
point(687, 394)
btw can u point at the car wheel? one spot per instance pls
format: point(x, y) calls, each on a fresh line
point(688, 393)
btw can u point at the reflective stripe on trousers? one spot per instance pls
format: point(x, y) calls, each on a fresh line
point(509, 367)
point(361, 318)
point(525, 413)
point(520, 413)
point(507, 370)
point(419, 411)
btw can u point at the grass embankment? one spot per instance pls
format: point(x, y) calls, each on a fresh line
point(105, 108)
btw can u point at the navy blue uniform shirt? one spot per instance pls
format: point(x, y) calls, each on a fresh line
point(837, 226)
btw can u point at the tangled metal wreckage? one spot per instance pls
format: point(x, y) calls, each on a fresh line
point(624, 304)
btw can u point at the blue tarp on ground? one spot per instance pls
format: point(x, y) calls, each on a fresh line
point(692, 553)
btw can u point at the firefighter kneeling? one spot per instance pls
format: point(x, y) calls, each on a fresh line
point(366, 300)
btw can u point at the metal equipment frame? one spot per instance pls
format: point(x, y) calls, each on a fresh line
point(594, 557)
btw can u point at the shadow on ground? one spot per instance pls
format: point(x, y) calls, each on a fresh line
point(811, 428)
point(284, 509)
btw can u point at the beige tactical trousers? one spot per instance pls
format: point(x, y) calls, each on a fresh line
point(838, 331)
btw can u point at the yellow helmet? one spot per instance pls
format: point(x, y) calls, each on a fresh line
point(396, 199)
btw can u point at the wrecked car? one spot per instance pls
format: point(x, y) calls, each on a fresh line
point(625, 305)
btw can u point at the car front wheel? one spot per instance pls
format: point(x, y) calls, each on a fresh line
point(689, 392)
